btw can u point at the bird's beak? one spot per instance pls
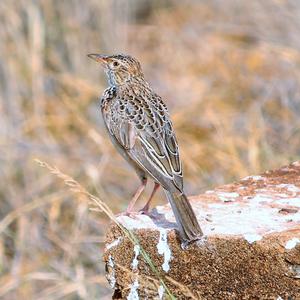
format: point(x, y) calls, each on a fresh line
point(99, 58)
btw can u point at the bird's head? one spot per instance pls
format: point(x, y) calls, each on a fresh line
point(119, 68)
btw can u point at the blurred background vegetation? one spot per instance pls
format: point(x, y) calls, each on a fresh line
point(228, 70)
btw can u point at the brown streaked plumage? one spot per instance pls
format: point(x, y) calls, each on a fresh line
point(139, 126)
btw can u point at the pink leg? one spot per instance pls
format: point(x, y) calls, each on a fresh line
point(135, 197)
point(145, 209)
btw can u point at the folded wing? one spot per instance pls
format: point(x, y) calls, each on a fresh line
point(143, 127)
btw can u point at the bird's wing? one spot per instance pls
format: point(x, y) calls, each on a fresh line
point(143, 128)
point(159, 144)
point(120, 127)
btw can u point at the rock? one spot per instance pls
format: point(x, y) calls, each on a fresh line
point(251, 248)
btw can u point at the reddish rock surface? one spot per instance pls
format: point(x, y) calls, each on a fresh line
point(251, 248)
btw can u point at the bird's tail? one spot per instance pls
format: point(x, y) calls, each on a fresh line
point(189, 227)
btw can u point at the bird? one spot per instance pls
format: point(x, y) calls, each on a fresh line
point(139, 126)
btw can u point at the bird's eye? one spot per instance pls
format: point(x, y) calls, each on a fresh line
point(115, 63)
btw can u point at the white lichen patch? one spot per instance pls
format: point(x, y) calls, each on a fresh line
point(115, 243)
point(263, 191)
point(209, 192)
point(160, 208)
point(138, 222)
point(135, 261)
point(252, 237)
point(111, 275)
point(292, 243)
point(261, 199)
point(254, 177)
point(164, 249)
point(289, 187)
point(227, 197)
point(161, 291)
point(251, 214)
point(290, 201)
point(167, 212)
point(295, 270)
point(281, 195)
point(146, 222)
point(133, 294)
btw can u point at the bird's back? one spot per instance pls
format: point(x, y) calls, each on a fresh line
point(140, 121)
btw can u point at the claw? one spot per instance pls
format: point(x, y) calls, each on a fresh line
point(130, 214)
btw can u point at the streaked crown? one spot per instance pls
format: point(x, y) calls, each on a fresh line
point(120, 68)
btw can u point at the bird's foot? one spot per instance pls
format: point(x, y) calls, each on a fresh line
point(130, 214)
point(145, 211)
point(146, 208)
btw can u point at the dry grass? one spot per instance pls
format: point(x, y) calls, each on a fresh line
point(230, 75)
point(100, 206)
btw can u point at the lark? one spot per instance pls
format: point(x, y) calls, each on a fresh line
point(139, 126)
